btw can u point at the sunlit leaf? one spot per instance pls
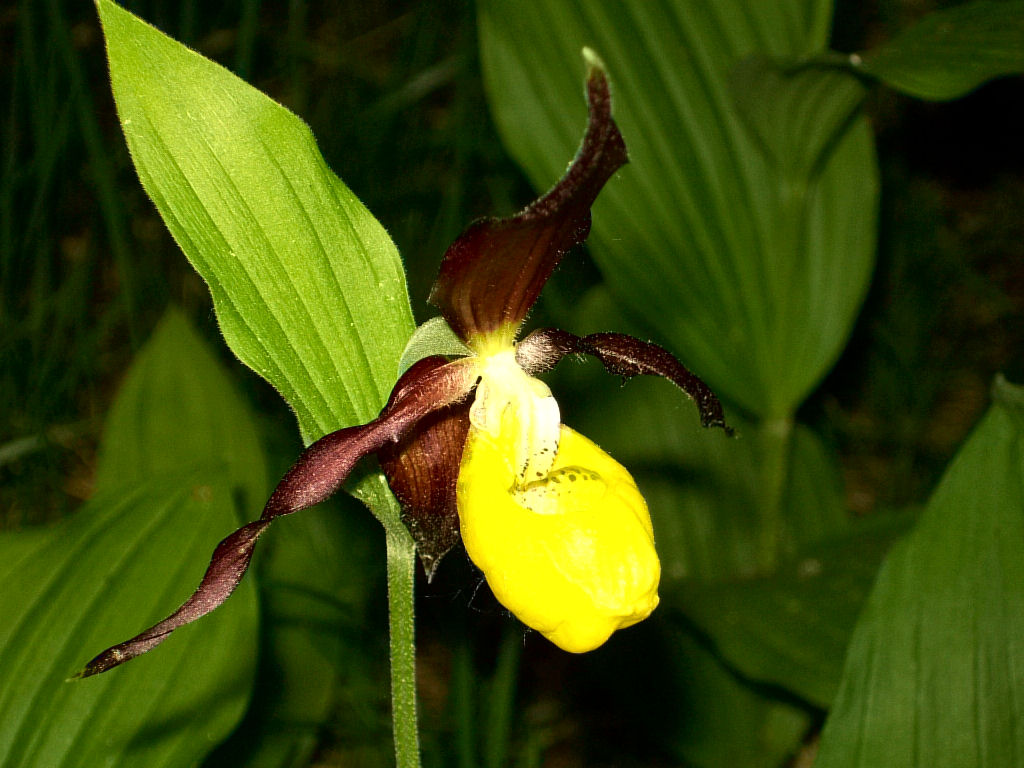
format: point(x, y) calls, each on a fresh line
point(95, 579)
point(750, 274)
point(308, 287)
point(951, 52)
point(934, 676)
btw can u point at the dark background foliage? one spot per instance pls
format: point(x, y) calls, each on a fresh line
point(393, 92)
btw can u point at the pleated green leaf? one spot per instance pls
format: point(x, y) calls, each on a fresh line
point(791, 629)
point(119, 564)
point(935, 669)
point(750, 272)
point(179, 457)
point(177, 409)
point(951, 52)
point(308, 287)
point(797, 111)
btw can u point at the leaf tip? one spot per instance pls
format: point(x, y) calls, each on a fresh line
point(103, 8)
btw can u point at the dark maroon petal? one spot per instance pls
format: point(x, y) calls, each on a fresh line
point(422, 470)
point(624, 356)
point(492, 275)
point(318, 473)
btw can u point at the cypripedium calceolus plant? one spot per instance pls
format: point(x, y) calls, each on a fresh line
point(475, 445)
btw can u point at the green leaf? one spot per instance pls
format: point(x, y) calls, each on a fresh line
point(751, 274)
point(434, 337)
point(951, 52)
point(728, 724)
point(177, 409)
point(678, 695)
point(308, 287)
point(178, 447)
point(796, 112)
point(95, 579)
point(791, 629)
point(934, 676)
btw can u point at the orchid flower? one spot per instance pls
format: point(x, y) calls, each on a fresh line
point(475, 446)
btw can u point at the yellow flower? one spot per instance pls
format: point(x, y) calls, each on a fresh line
point(557, 526)
point(475, 446)
point(566, 542)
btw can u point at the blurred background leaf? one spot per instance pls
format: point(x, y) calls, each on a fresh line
point(661, 692)
point(124, 561)
point(178, 409)
point(791, 629)
point(796, 111)
point(932, 675)
point(951, 52)
point(752, 277)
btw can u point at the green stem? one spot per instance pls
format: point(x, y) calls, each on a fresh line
point(503, 695)
point(775, 446)
point(401, 553)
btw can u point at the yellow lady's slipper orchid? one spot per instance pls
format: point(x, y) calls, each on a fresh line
point(475, 446)
point(557, 526)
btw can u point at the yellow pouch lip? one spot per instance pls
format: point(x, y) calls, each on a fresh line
point(577, 573)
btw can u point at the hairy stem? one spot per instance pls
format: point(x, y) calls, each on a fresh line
point(401, 552)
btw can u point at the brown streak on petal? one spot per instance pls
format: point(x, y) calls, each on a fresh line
point(319, 472)
point(624, 356)
point(493, 273)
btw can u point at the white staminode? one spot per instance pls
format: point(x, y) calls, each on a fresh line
point(506, 393)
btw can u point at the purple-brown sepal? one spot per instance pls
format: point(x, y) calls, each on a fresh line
point(493, 273)
point(624, 356)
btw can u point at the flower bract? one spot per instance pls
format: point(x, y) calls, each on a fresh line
point(475, 448)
